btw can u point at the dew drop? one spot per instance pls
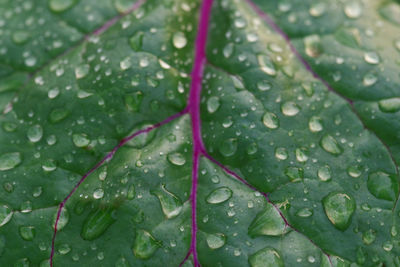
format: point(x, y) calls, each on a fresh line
point(136, 41)
point(390, 105)
point(339, 208)
point(387, 246)
point(383, 185)
point(369, 79)
point(62, 220)
point(304, 212)
point(228, 147)
point(213, 104)
point(352, 9)
point(317, 9)
point(228, 50)
point(81, 71)
point(64, 249)
point(301, 155)
point(268, 222)
point(290, 109)
point(122, 262)
point(354, 171)
point(61, 5)
point(219, 195)
point(145, 245)
point(369, 237)
point(123, 6)
point(315, 124)
point(281, 153)
point(266, 257)
point(371, 58)
point(125, 63)
point(313, 46)
point(179, 40)
point(98, 193)
point(324, 173)
point(97, 223)
point(58, 114)
point(10, 160)
point(144, 139)
point(330, 145)
point(27, 232)
point(215, 241)
point(20, 37)
point(176, 158)
point(171, 205)
point(35, 133)
point(5, 214)
point(80, 140)
point(264, 85)
point(270, 120)
point(266, 65)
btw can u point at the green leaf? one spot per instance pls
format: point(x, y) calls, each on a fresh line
point(188, 133)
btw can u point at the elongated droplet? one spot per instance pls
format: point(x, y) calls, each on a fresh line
point(35, 133)
point(215, 241)
point(27, 232)
point(176, 158)
point(97, 223)
point(266, 64)
point(383, 185)
point(390, 105)
point(62, 221)
point(219, 195)
point(339, 208)
point(61, 5)
point(267, 222)
point(270, 120)
point(9, 161)
point(266, 257)
point(369, 237)
point(145, 245)
point(5, 214)
point(171, 205)
point(305, 212)
point(329, 144)
point(213, 104)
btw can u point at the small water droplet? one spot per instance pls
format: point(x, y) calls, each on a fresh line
point(27, 232)
point(324, 173)
point(264, 85)
point(389, 105)
point(5, 214)
point(369, 237)
point(317, 9)
point(371, 58)
point(145, 245)
point(215, 241)
point(97, 223)
point(228, 50)
point(10, 160)
point(290, 109)
point(315, 124)
point(81, 71)
point(219, 195)
point(228, 147)
point(354, 171)
point(383, 185)
point(369, 79)
point(179, 40)
point(125, 63)
point(35, 133)
point(266, 257)
point(339, 208)
point(213, 104)
point(281, 153)
point(330, 145)
point(98, 193)
point(301, 155)
point(20, 37)
point(313, 46)
point(295, 174)
point(266, 64)
point(122, 262)
point(64, 249)
point(80, 140)
point(62, 220)
point(58, 114)
point(61, 5)
point(270, 120)
point(171, 205)
point(176, 158)
point(267, 222)
point(352, 9)
point(305, 212)
point(136, 41)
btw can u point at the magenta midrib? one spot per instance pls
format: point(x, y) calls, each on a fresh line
point(193, 109)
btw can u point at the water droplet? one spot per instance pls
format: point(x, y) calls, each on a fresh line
point(387, 246)
point(131, 192)
point(352, 9)
point(252, 149)
point(266, 64)
point(295, 174)
point(301, 155)
point(9, 126)
point(5, 214)
point(290, 109)
point(144, 62)
point(219, 195)
point(27, 232)
point(389, 105)
point(339, 208)
point(305, 212)
point(64, 249)
point(270, 120)
point(35, 133)
point(58, 114)
point(122, 262)
point(60, 5)
point(281, 153)
point(81, 71)
point(371, 57)
point(98, 193)
point(176, 158)
point(123, 6)
point(315, 124)
point(354, 171)
point(266, 257)
point(324, 173)
point(369, 237)
point(144, 139)
point(313, 46)
point(10, 160)
point(26, 207)
point(145, 245)
point(215, 241)
point(125, 63)
point(62, 220)
point(171, 205)
point(80, 140)
point(136, 41)
point(228, 147)
point(240, 23)
point(213, 104)
point(369, 79)
point(228, 50)
point(179, 40)
point(49, 165)
point(329, 144)
point(264, 85)
point(30, 61)
point(383, 185)
point(267, 222)
point(97, 223)
point(317, 9)
point(20, 37)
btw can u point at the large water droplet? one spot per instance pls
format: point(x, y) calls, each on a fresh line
point(98, 193)
point(179, 40)
point(369, 236)
point(295, 174)
point(58, 114)
point(313, 46)
point(176, 158)
point(122, 262)
point(228, 50)
point(145, 245)
point(266, 257)
point(281, 153)
point(317, 9)
point(35, 133)
point(62, 220)
point(369, 79)
point(304, 212)
point(133, 101)
point(123, 6)
point(215, 241)
point(315, 124)
point(329, 144)
point(391, 12)
point(324, 173)
point(171, 205)
point(80, 140)
point(60, 5)
point(267, 222)
point(97, 223)
point(125, 63)
point(27, 232)
point(270, 120)
point(228, 147)
point(81, 71)
point(352, 9)
point(383, 185)
point(290, 109)
point(339, 208)
point(5, 214)
point(213, 104)
point(266, 64)
point(20, 37)
point(9, 161)
point(219, 195)
point(371, 58)
point(390, 105)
